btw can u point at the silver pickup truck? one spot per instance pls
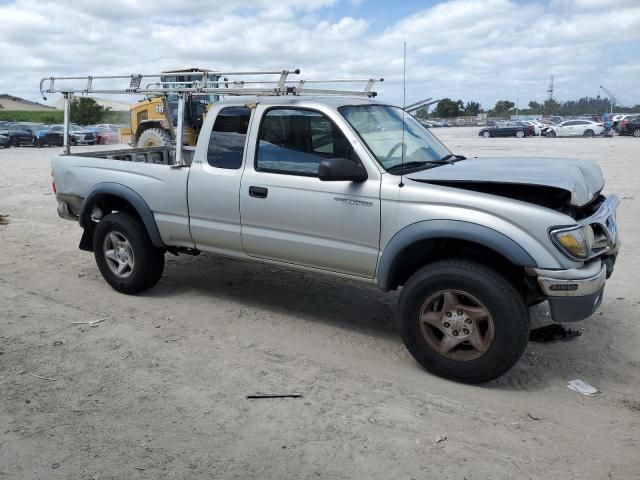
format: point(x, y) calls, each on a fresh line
point(357, 189)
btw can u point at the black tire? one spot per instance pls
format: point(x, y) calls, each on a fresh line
point(486, 134)
point(148, 261)
point(510, 316)
point(154, 137)
point(14, 142)
point(588, 133)
point(93, 143)
point(520, 134)
point(551, 133)
point(636, 133)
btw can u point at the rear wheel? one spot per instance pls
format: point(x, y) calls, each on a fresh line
point(551, 133)
point(486, 134)
point(463, 320)
point(588, 133)
point(636, 133)
point(155, 137)
point(520, 134)
point(127, 259)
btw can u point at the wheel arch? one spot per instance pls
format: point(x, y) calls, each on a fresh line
point(421, 242)
point(109, 196)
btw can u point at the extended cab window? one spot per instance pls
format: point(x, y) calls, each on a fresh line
point(295, 141)
point(226, 144)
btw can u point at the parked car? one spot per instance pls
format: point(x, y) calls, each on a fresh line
point(575, 128)
point(537, 126)
point(23, 133)
point(47, 136)
point(508, 129)
point(78, 135)
point(4, 141)
point(630, 126)
point(472, 242)
point(105, 133)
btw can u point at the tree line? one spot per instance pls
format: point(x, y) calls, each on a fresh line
point(448, 108)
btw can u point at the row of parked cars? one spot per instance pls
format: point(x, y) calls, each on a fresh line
point(559, 127)
point(40, 135)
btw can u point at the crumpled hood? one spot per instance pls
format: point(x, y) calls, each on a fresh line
point(582, 179)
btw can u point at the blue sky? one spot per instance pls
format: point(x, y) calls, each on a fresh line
point(464, 49)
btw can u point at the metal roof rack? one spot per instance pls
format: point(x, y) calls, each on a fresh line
point(210, 83)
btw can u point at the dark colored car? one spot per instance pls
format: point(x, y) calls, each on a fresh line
point(630, 126)
point(511, 129)
point(23, 133)
point(4, 141)
point(47, 136)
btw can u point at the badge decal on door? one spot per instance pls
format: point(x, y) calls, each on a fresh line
point(350, 201)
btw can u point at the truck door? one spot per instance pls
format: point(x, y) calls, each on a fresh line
point(289, 214)
point(214, 183)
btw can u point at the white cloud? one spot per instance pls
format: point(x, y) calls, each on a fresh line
point(462, 49)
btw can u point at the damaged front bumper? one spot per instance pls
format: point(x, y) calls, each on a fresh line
point(576, 293)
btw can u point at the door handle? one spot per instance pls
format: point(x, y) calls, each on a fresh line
point(258, 192)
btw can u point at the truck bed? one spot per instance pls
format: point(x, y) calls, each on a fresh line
point(157, 155)
point(146, 172)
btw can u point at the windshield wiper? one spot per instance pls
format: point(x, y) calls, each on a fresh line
point(452, 157)
point(412, 165)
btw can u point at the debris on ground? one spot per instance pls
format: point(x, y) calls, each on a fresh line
point(581, 387)
point(552, 332)
point(42, 378)
point(533, 417)
point(274, 395)
point(440, 439)
point(92, 323)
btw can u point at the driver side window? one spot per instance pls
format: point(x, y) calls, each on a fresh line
point(294, 141)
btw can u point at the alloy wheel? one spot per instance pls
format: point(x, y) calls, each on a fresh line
point(118, 254)
point(457, 325)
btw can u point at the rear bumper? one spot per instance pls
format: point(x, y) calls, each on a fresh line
point(575, 294)
point(69, 206)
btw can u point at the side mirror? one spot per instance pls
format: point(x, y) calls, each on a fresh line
point(341, 169)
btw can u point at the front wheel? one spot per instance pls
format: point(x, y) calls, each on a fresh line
point(520, 134)
point(551, 133)
point(636, 133)
point(486, 134)
point(127, 259)
point(463, 320)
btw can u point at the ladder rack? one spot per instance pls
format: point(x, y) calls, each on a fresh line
point(210, 83)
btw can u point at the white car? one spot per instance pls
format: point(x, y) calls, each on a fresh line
point(575, 128)
point(537, 126)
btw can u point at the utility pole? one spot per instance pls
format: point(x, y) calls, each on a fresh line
point(550, 89)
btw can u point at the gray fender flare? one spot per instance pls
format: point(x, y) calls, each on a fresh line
point(455, 229)
point(133, 198)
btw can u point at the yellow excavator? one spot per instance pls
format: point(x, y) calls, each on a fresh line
point(153, 120)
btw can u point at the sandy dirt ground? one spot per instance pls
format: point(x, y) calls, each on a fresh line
point(158, 388)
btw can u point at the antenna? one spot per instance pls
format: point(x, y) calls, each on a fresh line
point(404, 104)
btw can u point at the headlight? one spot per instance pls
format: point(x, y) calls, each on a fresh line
point(574, 241)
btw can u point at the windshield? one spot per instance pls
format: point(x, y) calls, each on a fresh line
point(380, 127)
